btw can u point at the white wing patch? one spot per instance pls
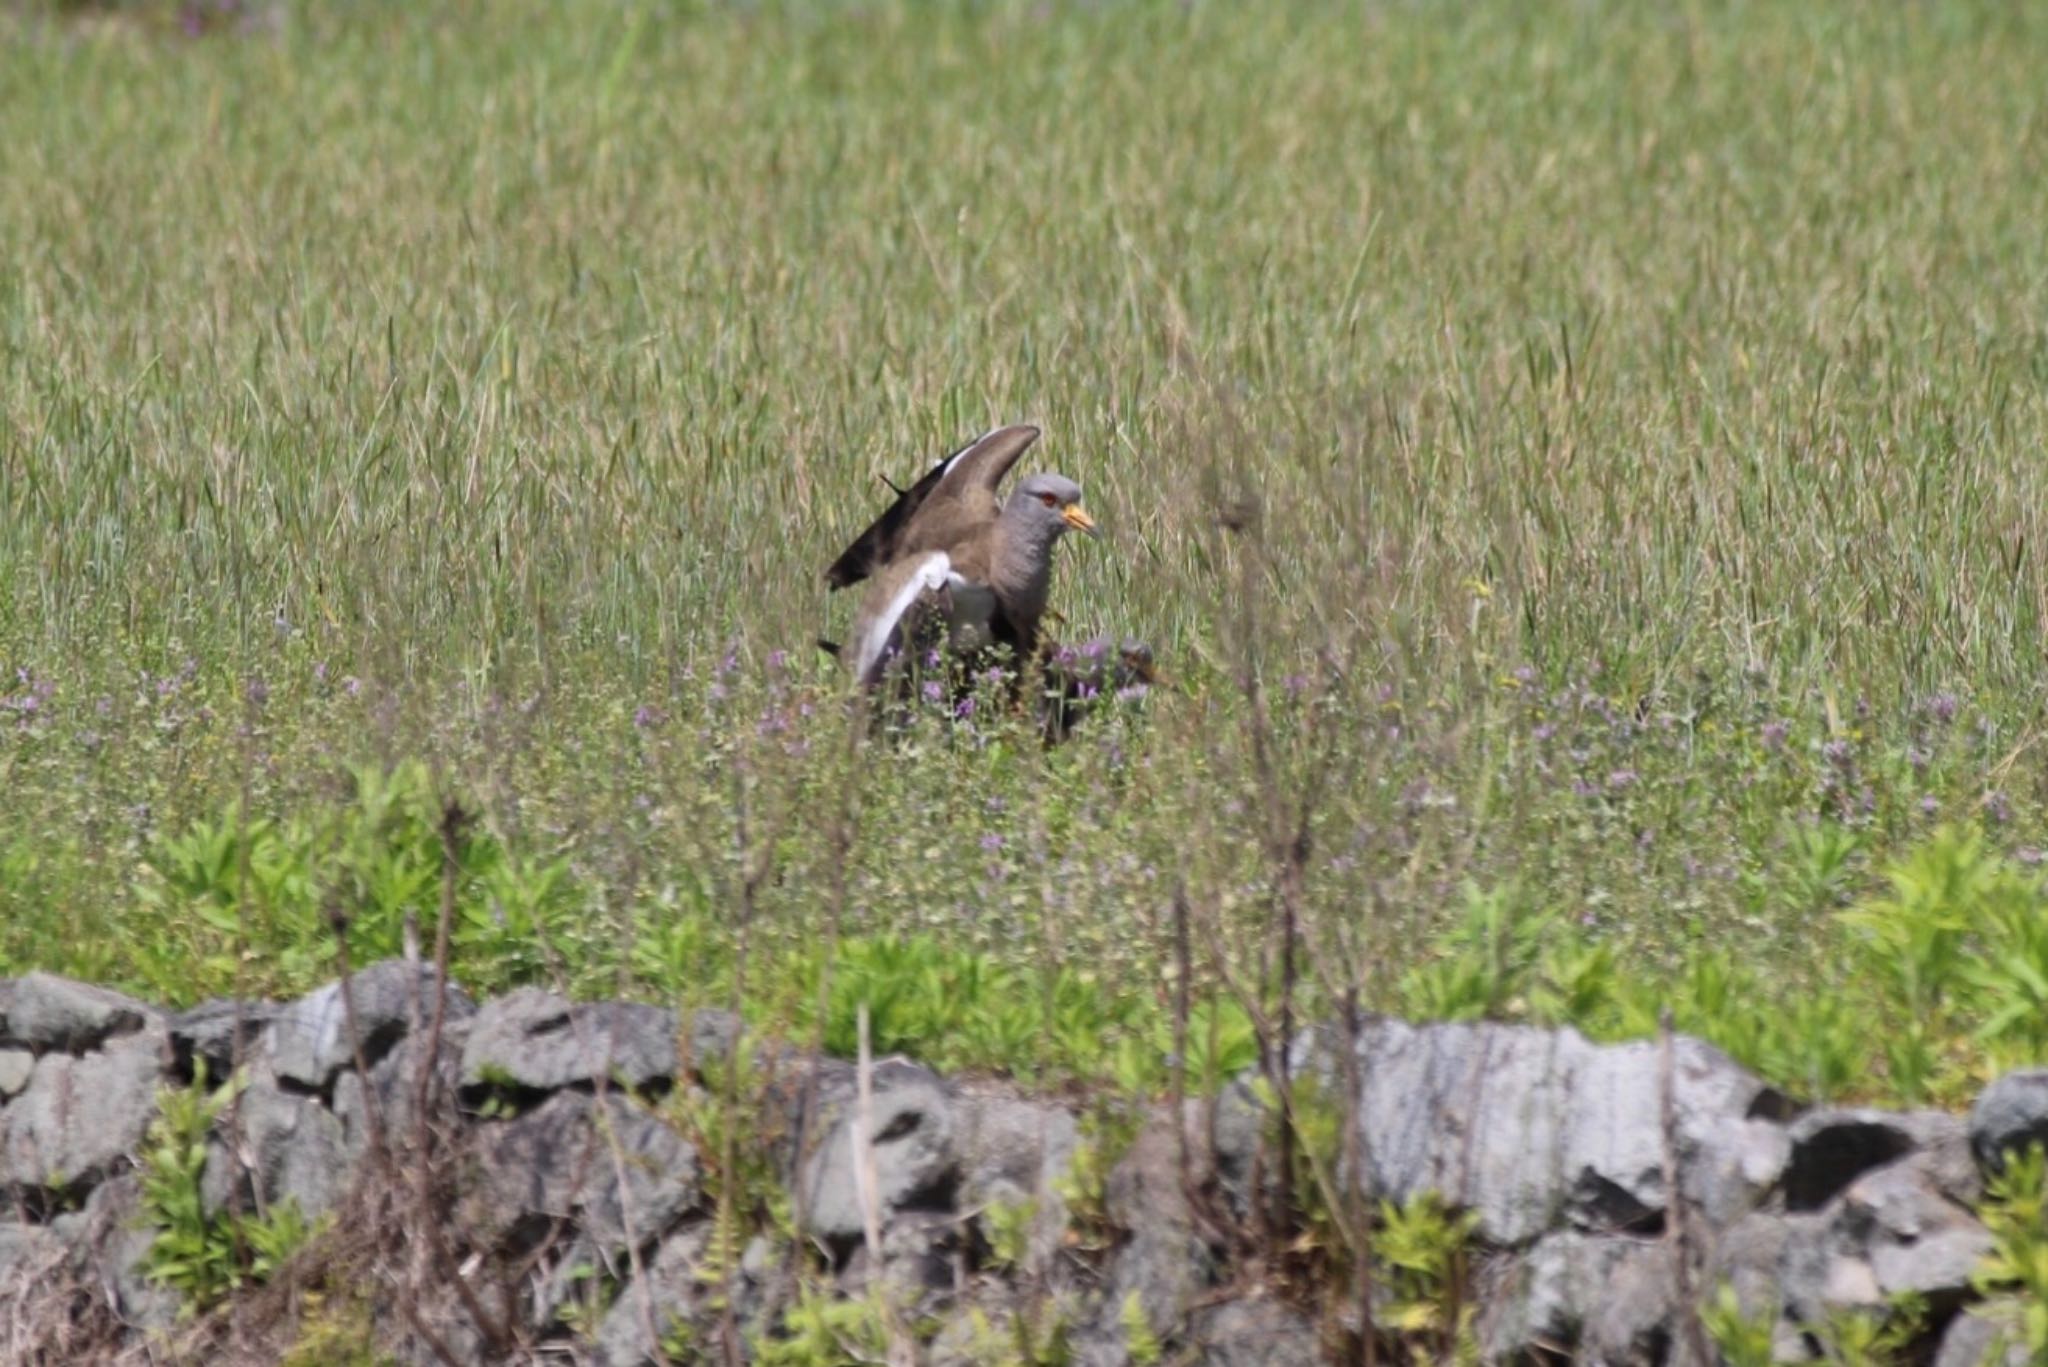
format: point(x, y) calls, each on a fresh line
point(935, 571)
point(949, 462)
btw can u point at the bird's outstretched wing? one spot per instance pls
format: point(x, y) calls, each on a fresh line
point(968, 474)
point(890, 614)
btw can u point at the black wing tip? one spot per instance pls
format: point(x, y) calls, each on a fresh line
point(829, 647)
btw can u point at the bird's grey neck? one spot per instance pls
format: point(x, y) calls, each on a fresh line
point(1025, 550)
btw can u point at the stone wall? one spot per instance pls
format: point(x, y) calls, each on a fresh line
point(549, 1186)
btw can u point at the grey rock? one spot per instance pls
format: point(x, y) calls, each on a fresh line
point(15, 1067)
point(916, 1160)
point(1633, 1313)
point(2010, 1114)
point(1750, 1157)
point(276, 1147)
point(556, 1164)
point(920, 1252)
point(81, 1116)
point(120, 1241)
point(392, 1092)
point(1529, 1127)
point(535, 1040)
point(1237, 1128)
point(1751, 1257)
point(1099, 1348)
point(1166, 1262)
point(309, 1041)
point(27, 1251)
point(1915, 1239)
point(678, 1298)
point(1254, 1332)
point(1803, 1264)
point(1015, 1152)
point(221, 1031)
point(1988, 1335)
point(669, 1301)
point(968, 1338)
point(711, 1037)
point(1833, 1147)
point(1539, 1297)
point(47, 1012)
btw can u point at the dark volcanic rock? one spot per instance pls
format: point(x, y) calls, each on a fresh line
point(2011, 1114)
point(222, 1032)
point(916, 1161)
point(44, 1012)
point(536, 1041)
point(604, 1168)
point(309, 1041)
point(80, 1118)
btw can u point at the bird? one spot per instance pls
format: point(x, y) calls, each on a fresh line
point(953, 562)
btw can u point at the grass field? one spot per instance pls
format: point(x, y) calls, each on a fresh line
point(1580, 466)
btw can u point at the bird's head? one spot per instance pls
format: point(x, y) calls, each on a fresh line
point(1053, 504)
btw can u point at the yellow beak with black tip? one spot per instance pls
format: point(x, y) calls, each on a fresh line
point(1074, 516)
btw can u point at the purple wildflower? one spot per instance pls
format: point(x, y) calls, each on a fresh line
point(1928, 805)
point(991, 842)
point(1942, 706)
point(1997, 806)
point(646, 715)
point(1620, 779)
point(1837, 753)
point(1774, 734)
point(2030, 855)
point(964, 708)
point(258, 691)
point(351, 685)
point(932, 691)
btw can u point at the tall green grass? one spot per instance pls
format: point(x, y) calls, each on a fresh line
point(1599, 388)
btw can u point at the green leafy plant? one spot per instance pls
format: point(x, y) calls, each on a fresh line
point(1744, 1339)
point(205, 1256)
point(1006, 1225)
point(824, 1330)
point(1422, 1245)
point(1880, 1338)
point(2015, 1211)
point(1488, 961)
point(1140, 1341)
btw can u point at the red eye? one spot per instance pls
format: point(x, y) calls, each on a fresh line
point(1049, 500)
